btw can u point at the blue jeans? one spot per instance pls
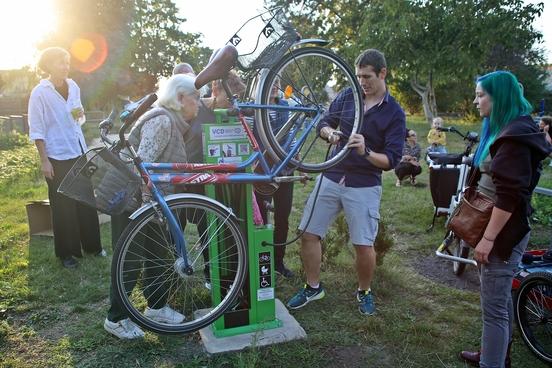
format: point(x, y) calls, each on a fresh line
point(496, 305)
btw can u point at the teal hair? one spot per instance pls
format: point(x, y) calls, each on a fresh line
point(508, 103)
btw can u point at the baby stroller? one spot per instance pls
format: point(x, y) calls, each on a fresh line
point(448, 173)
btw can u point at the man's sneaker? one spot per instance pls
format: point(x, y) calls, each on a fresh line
point(124, 329)
point(305, 295)
point(284, 271)
point(164, 315)
point(366, 304)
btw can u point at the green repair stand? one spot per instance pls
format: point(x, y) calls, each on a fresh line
point(225, 141)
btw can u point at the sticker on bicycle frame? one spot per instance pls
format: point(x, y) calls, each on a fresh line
point(267, 31)
point(264, 258)
point(264, 270)
point(235, 40)
point(218, 133)
point(214, 150)
point(265, 282)
point(265, 294)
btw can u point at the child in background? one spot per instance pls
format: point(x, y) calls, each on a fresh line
point(437, 140)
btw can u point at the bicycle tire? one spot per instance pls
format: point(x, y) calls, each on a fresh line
point(533, 314)
point(308, 73)
point(151, 267)
point(462, 251)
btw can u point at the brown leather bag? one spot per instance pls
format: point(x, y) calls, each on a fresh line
point(470, 218)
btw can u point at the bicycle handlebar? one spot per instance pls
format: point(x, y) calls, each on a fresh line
point(106, 125)
point(469, 136)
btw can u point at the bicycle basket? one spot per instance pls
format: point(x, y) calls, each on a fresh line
point(102, 180)
point(274, 35)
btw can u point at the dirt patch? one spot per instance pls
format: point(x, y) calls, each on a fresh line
point(440, 271)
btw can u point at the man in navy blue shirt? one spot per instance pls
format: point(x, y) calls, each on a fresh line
point(354, 185)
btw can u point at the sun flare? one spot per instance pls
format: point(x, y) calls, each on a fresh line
point(23, 23)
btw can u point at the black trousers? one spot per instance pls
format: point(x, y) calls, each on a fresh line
point(144, 245)
point(75, 225)
point(404, 169)
point(154, 270)
point(283, 199)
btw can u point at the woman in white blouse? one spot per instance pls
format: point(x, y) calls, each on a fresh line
point(55, 116)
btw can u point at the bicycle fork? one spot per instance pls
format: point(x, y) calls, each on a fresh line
point(167, 220)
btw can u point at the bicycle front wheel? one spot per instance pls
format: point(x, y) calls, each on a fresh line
point(533, 312)
point(148, 274)
point(310, 78)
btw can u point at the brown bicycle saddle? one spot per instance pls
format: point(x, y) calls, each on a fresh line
point(221, 63)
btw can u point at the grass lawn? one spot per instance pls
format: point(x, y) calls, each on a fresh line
point(52, 317)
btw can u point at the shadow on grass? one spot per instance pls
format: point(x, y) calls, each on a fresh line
point(66, 309)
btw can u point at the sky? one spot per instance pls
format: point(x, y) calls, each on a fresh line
point(217, 20)
point(24, 22)
point(545, 19)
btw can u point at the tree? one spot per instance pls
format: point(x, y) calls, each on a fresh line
point(143, 42)
point(158, 42)
point(431, 43)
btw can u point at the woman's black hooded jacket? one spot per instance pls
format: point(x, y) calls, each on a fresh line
point(516, 168)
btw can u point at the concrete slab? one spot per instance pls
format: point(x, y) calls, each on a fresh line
point(290, 330)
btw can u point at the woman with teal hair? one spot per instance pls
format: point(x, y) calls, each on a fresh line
point(508, 158)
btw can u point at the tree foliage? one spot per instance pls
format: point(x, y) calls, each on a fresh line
point(143, 39)
point(158, 43)
point(432, 45)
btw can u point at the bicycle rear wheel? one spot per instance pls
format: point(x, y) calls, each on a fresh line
point(533, 312)
point(148, 273)
point(309, 77)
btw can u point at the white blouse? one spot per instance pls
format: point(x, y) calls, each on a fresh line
point(50, 119)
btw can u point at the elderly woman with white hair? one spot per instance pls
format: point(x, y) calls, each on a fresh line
point(158, 136)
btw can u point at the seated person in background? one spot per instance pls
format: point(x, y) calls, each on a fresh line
point(158, 136)
point(410, 162)
point(437, 140)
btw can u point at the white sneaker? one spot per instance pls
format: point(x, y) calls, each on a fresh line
point(124, 329)
point(165, 315)
point(101, 253)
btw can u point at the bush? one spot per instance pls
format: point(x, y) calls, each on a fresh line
point(20, 163)
point(338, 238)
point(12, 140)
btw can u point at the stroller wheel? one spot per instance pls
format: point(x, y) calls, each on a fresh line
point(460, 249)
